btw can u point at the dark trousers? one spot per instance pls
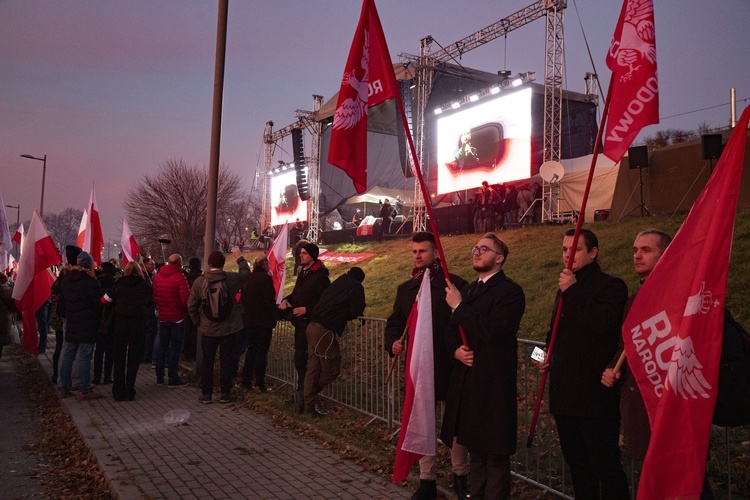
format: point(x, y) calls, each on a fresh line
point(300, 354)
point(191, 340)
point(256, 357)
point(385, 228)
point(323, 361)
point(152, 328)
point(170, 347)
point(127, 350)
point(43, 318)
point(240, 346)
point(490, 475)
point(59, 341)
point(590, 447)
point(225, 346)
point(103, 357)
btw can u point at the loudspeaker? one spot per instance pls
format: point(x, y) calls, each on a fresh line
point(638, 157)
point(299, 164)
point(711, 146)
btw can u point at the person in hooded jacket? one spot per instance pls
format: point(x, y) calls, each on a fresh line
point(171, 295)
point(130, 297)
point(81, 293)
point(103, 352)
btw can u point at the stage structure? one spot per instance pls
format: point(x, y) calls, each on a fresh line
point(282, 195)
point(427, 63)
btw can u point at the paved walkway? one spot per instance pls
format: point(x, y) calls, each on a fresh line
point(224, 451)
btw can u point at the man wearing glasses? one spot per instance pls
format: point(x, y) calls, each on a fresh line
point(481, 410)
point(425, 256)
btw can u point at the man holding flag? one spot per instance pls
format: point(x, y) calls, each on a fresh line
point(425, 256)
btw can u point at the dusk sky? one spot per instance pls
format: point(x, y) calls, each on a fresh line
point(110, 90)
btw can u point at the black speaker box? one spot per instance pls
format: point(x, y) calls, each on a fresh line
point(711, 146)
point(638, 157)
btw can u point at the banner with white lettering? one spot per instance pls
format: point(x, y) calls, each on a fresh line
point(634, 101)
point(673, 332)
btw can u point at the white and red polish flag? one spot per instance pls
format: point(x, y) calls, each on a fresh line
point(368, 81)
point(19, 237)
point(5, 239)
point(673, 333)
point(277, 262)
point(82, 229)
point(93, 241)
point(634, 101)
point(417, 436)
point(34, 278)
point(12, 265)
point(130, 248)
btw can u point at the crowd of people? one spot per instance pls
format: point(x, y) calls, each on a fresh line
point(496, 207)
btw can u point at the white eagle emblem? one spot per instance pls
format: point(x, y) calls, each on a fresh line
point(684, 374)
point(350, 111)
point(701, 302)
point(637, 41)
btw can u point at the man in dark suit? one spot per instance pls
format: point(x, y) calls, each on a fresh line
point(587, 414)
point(482, 399)
point(425, 256)
point(387, 213)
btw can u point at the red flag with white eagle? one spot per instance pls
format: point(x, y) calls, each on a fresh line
point(277, 262)
point(34, 278)
point(130, 248)
point(368, 81)
point(673, 333)
point(635, 89)
point(93, 240)
point(417, 436)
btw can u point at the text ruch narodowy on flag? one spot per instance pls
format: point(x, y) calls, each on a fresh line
point(93, 241)
point(634, 99)
point(34, 278)
point(277, 262)
point(130, 248)
point(368, 81)
point(673, 333)
point(417, 436)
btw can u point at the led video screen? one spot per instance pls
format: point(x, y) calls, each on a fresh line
point(487, 142)
point(286, 205)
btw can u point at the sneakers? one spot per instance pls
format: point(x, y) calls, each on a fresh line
point(86, 396)
point(225, 398)
point(177, 383)
point(205, 399)
point(427, 490)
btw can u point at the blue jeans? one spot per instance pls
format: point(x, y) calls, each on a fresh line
point(84, 351)
point(170, 347)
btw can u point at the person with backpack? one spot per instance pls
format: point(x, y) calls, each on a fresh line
point(212, 306)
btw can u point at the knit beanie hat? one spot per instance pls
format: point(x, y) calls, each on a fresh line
point(85, 260)
point(216, 259)
point(312, 249)
point(71, 254)
point(357, 273)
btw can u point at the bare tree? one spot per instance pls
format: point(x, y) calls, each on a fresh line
point(172, 205)
point(63, 227)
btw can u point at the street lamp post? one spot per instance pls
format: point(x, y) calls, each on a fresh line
point(18, 218)
point(44, 177)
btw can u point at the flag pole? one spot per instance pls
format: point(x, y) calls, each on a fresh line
point(569, 264)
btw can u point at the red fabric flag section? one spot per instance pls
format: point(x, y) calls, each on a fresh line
point(673, 332)
point(277, 262)
point(34, 278)
point(130, 248)
point(368, 81)
point(18, 236)
point(634, 101)
point(93, 241)
point(417, 436)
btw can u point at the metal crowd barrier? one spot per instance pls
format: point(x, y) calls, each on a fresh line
point(361, 387)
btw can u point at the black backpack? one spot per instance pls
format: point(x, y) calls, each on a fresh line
point(733, 400)
point(215, 300)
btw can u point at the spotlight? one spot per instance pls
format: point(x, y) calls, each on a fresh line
point(494, 90)
point(437, 111)
point(456, 105)
point(516, 82)
point(474, 98)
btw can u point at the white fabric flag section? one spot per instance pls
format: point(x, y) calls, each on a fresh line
point(5, 241)
point(420, 432)
point(82, 229)
point(277, 262)
point(130, 249)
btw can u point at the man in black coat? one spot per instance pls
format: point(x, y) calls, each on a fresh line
point(311, 281)
point(344, 300)
point(387, 213)
point(481, 411)
point(259, 301)
point(425, 255)
point(587, 413)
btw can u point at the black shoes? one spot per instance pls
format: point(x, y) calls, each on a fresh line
point(461, 486)
point(427, 490)
point(177, 383)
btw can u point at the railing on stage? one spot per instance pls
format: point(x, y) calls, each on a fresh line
point(361, 387)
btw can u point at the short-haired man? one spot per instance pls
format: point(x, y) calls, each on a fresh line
point(481, 410)
point(171, 293)
point(260, 315)
point(218, 334)
point(387, 213)
point(587, 413)
point(342, 301)
point(425, 256)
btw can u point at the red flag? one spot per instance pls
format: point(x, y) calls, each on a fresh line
point(93, 241)
point(417, 436)
point(277, 262)
point(673, 333)
point(18, 236)
point(34, 278)
point(130, 248)
point(368, 81)
point(81, 239)
point(635, 88)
